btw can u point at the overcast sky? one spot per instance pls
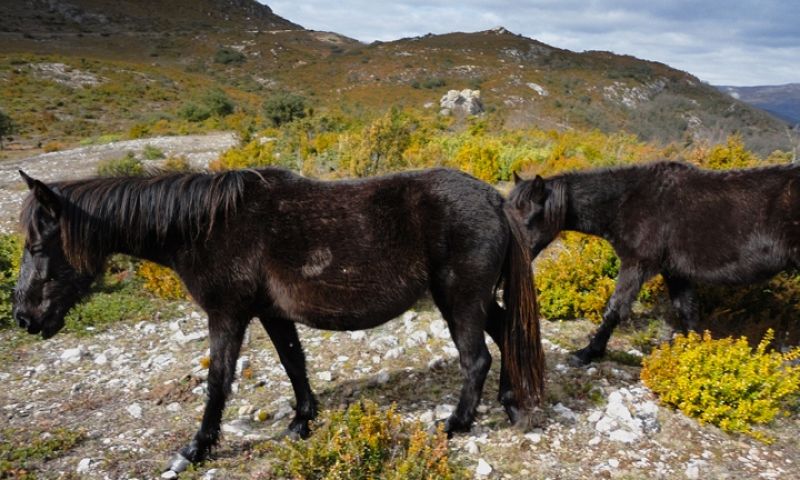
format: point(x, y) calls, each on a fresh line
point(723, 42)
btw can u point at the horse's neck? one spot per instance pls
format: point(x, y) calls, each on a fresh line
point(593, 200)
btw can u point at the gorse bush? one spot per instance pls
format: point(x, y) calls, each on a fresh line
point(229, 56)
point(126, 166)
point(363, 443)
point(282, 107)
point(724, 382)
point(161, 281)
point(10, 256)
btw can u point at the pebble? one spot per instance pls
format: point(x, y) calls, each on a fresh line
point(325, 376)
point(613, 462)
point(134, 410)
point(393, 353)
point(84, 465)
point(358, 335)
point(483, 469)
point(472, 448)
point(383, 377)
point(418, 337)
point(534, 437)
point(169, 474)
point(211, 474)
point(443, 411)
point(439, 329)
point(174, 407)
point(72, 355)
point(426, 417)
point(101, 359)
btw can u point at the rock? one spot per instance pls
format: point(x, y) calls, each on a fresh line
point(211, 474)
point(624, 436)
point(261, 415)
point(594, 440)
point(84, 465)
point(245, 411)
point(383, 377)
point(565, 413)
point(465, 102)
point(443, 411)
point(169, 474)
point(358, 335)
point(325, 376)
point(472, 448)
point(483, 469)
point(534, 437)
point(395, 352)
point(595, 416)
point(439, 329)
point(72, 355)
point(174, 407)
point(426, 417)
point(101, 359)
point(284, 411)
point(538, 89)
point(418, 337)
point(613, 462)
point(384, 341)
point(134, 410)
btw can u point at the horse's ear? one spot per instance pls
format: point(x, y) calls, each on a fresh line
point(46, 197)
point(27, 178)
point(517, 178)
point(537, 188)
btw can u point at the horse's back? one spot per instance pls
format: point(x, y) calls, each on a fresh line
point(352, 254)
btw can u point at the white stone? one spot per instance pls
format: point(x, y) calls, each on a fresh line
point(439, 329)
point(692, 472)
point(211, 474)
point(358, 335)
point(465, 101)
point(534, 437)
point(623, 436)
point(72, 355)
point(443, 411)
point(594, 440)
point(174, 407)
point(384, 341)
point(383, 377)
point(613, 462)
point(134, 410)
point(483, 469)
point(472, 448)
point(393, 353)
point(101, 359)
point(564, 412)
point(418, 337)
point(325, 376)
point(595, 416)
point(242, 363)
point(169, 474)
point(426, 417)
point(84, 465)
point(538, 89)
point(605, 424)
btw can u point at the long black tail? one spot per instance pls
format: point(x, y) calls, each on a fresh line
point(522, 337)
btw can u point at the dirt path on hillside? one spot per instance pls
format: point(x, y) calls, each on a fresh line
point(82, 162)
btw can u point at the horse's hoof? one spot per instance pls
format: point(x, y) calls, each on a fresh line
point(582, 357)
point(514, 414)
point(453, 425)
point(300, 428)
point(177, 464)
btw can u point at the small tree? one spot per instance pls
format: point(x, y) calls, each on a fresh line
point(284, 107)
point(7, 127)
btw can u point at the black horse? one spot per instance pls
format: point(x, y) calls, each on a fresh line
point(270, 244)
point(690, 225)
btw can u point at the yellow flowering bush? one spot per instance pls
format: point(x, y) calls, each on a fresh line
point(364, 443)
point(161, 281)
point(724, 382)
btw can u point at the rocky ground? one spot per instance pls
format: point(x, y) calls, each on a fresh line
point(136, 393)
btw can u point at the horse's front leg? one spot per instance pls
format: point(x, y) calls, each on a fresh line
point(225, 336)
point(684, 300)
point(629, 282)
point(283, 334)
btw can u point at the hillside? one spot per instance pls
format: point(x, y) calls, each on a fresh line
point(177, 50)
point(783, 101)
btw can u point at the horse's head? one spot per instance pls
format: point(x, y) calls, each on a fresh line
point(539, 206)
point(48, 285)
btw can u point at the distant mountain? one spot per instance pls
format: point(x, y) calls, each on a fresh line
point(524, 81)
point(783, 101)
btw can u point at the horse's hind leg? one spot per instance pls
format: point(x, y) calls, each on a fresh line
point(466, 319)
point(684, 300)
point(283, 334)
point(225, 336)
point(495, 326)
point(629, 282)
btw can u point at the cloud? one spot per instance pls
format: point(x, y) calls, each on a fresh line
point(735, 42)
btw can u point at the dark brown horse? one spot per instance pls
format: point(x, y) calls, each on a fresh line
point(270, 244)
point(690, 225)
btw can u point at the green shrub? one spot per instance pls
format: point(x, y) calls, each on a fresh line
point(7, 127)
point(218, 103)
point(364, 443)
point(22, 451)
point(110, 303)
point(281, 108)
point(724, 382)
point(193, 112)
point(10, 257)
point(176, 163)
point(127, 166)
point(228, 56)
point(152, 153)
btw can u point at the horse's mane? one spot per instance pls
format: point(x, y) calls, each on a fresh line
point(101, 214)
